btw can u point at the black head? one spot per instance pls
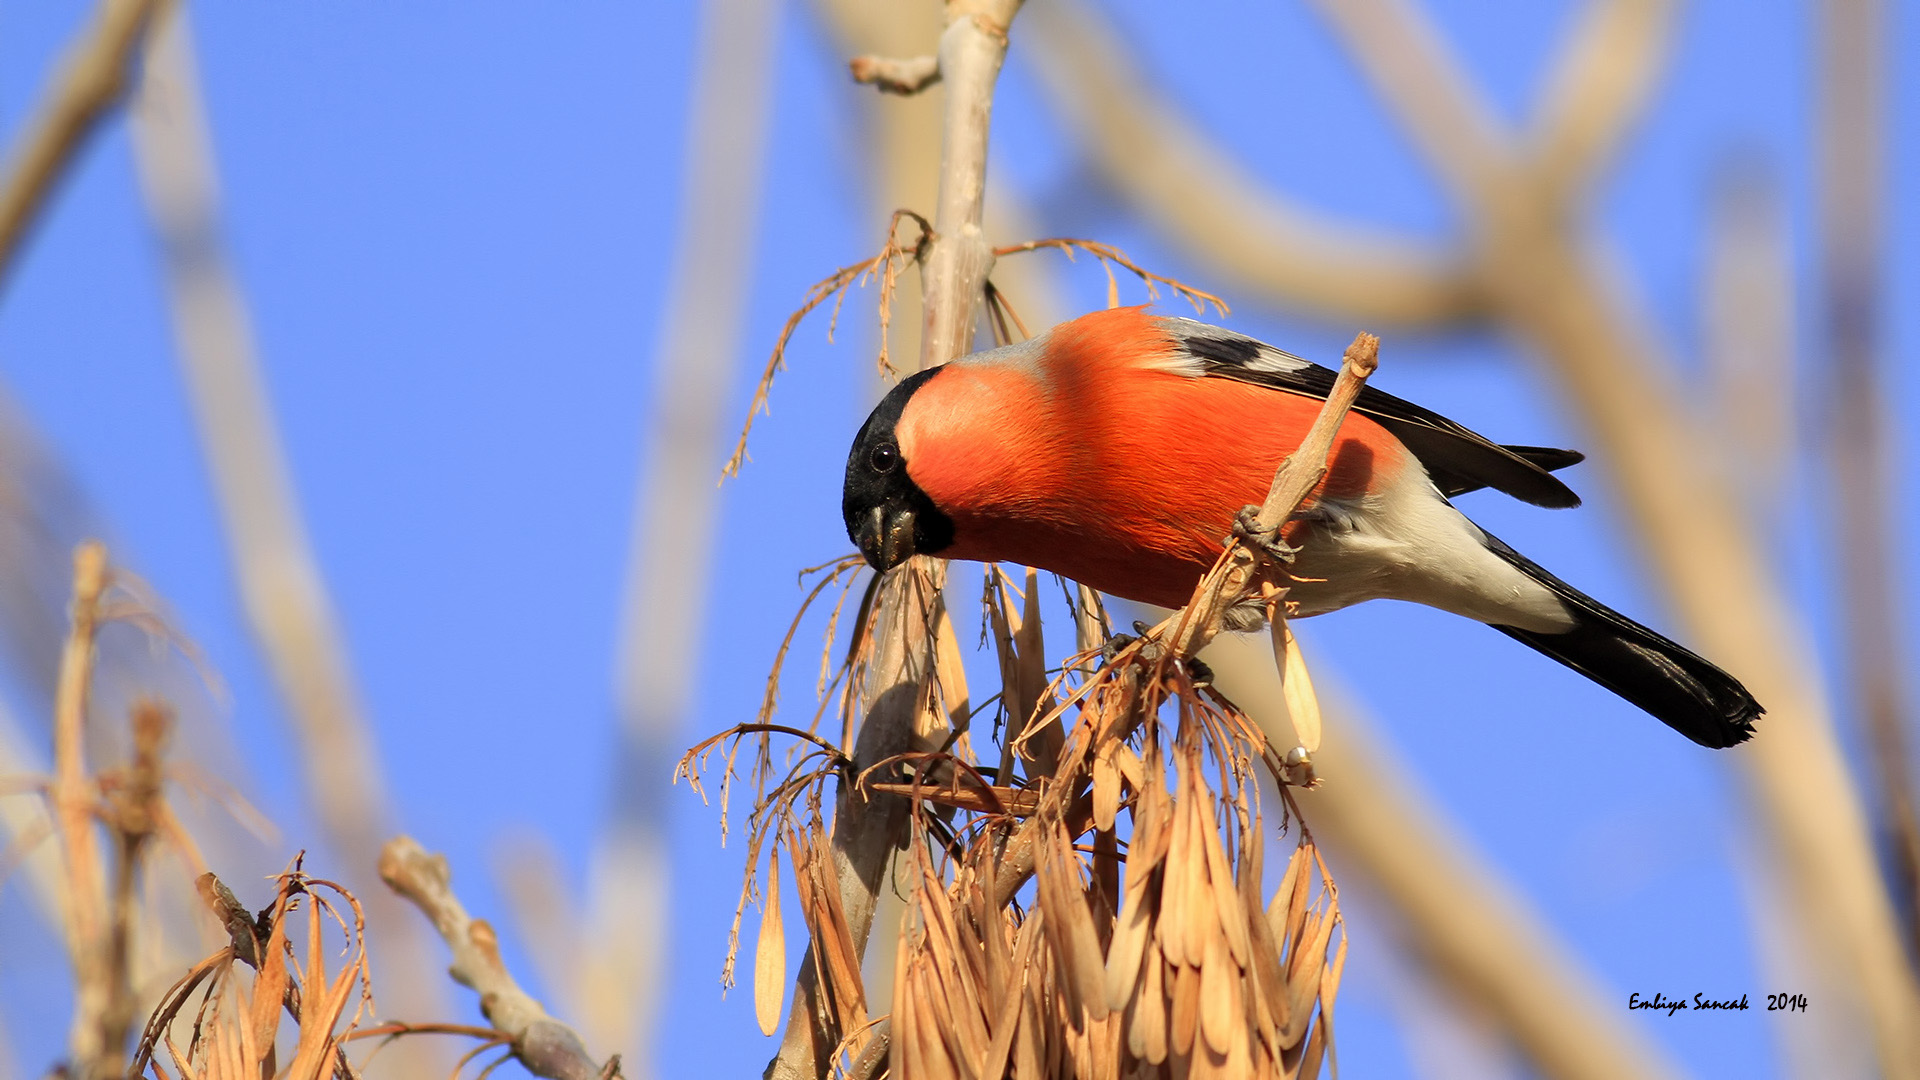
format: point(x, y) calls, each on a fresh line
point(888, 517)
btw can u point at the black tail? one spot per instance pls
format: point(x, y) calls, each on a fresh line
point(1680, 689)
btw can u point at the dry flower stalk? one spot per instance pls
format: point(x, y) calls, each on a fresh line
point(103, 905)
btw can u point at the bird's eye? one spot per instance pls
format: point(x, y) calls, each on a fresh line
point(885, 457)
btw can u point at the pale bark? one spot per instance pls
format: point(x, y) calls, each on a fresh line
point(866, 833)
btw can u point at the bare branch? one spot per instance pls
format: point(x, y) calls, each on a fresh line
point(544, 1045)
point(89, 82)
point(903, 77)
point(954, 273)
point(1398, 47)
point(972, 48)
point(696, 361)
point(74, 806)
point(1551, 288)
point(279, 578)
point(1600, 89)
point(1853, 222)
point(1205, 201)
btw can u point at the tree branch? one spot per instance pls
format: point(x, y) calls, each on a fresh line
point(544, 1045)
point(1549, 286)
point(1853, 224)
point(623, 942)
point(1206, 203)
point(1600, 89)
point(89, 82)
point(890, 76)
point(953, 277)
point(282, 591)
point(75, 799)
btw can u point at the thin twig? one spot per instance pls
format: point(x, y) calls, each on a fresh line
point(1211, 205)
point(75, 804)
point(544, 1045)
point(1232, 578)
point(91, 80)
point(1107, 253)
point(890, 76)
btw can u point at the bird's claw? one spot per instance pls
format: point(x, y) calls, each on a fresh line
point(1115, 643)
point(1247, 527)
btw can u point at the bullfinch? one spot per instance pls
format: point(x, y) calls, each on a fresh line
point(1118, 449)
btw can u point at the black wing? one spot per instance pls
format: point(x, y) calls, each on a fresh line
point(1457, 459)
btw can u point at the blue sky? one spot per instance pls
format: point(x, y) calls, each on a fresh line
point(453, 224)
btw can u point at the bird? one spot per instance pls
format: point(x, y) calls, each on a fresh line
point(1119, 450)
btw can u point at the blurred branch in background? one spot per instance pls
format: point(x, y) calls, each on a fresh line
point(1853, 125)
point(90, 81)
point(125, 805)
point(1541, 278)
point(903, 133)
point(278, 578)
point(675, 519)
point(1747, 332)
point(1459, 918)
point(1257, 240)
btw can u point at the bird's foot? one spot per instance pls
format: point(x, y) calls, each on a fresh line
point(1247, 527)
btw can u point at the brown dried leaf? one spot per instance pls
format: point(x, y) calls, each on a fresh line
point(1303, 981)
point(1303, 705)
point(1203, 919)
point(1130, 936)
point(1172, 926)
point(269, 989)
point(1106, 789)
point(1129, 765)
point(1029, 1037)
point(829, 927)
point(1151, 1014)
point(1226, 900)
point(1077, 950)
point(770, 955)
point(1185, 989)
point(1007, 1020)
point(1219, 1003)
point(1267, 985)
point(950, 671)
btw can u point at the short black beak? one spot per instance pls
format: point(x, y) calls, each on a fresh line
point(886, 539)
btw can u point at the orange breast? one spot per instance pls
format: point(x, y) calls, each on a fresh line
point(1124, 478)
